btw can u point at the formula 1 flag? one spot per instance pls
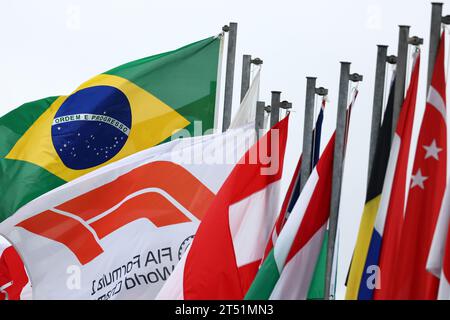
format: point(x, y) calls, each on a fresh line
point(118, 232)
point(439, 259)
point(428, 182)
point(288, 269)
point(229, 246)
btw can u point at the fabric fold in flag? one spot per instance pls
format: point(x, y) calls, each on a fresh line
point(411, 280)
point(439, 257)
point(14, 282)
point(288, 269)
point(389, 220)
point(247, 110)
point(291, 198)
point(444, 286)
point(356, 286)
point(317, 288)
point(228, 248)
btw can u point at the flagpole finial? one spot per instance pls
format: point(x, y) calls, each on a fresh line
point(231, 29)
point(322, 91)
point(257, 61)
point(356, 77)
point(286, 105)
point(446, 20)
point(415, 41)
point(227, 27)
point(392, 59)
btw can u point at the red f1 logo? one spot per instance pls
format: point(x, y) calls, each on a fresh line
point(158, 192)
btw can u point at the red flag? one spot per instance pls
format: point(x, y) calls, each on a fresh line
point(444, 289)
point(439, 259)
point(390, 214)
point(229, 245)
point(412, 280)
point(13, 277)
point(284, 211)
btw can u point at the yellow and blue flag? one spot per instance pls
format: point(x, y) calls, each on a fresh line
point(357, 288)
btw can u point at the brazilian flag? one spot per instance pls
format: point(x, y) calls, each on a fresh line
point(49, 142)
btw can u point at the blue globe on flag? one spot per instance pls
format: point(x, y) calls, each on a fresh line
point(91, 126)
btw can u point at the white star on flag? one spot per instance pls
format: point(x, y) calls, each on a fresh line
point(432, 150)
point(418, 180)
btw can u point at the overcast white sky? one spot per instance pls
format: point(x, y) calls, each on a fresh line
point(49, 47)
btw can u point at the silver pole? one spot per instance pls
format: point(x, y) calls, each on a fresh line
point(378, 96)
point(259, 121)
point(245, 81)
point(400, 80)
point(275, 108)
point(229, 77)
point(305, 169)
point(337, 172)
point(435, 35)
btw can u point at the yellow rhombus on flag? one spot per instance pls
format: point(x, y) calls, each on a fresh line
point(49, 142)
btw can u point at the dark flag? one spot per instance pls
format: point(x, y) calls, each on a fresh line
point(374, 190)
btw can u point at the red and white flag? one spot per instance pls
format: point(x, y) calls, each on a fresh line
point(14, 283)
point(390, 215)
point(439, 259)
point(229, 245)
point(412, 280)
point(118, 232)
point(444, 287)
point(287, 271)
point(281, 220)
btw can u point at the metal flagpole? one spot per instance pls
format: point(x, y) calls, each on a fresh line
point(259, 121)
point(308, 139)
point(266, 120)
point(435, 35)
point(345, 78)
point(306, 166)
point(400, 79)
point(229, 77)
point(378, 97)
point(337, 169)
point(245, 81)
point(247, 62)
point(275, 108)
